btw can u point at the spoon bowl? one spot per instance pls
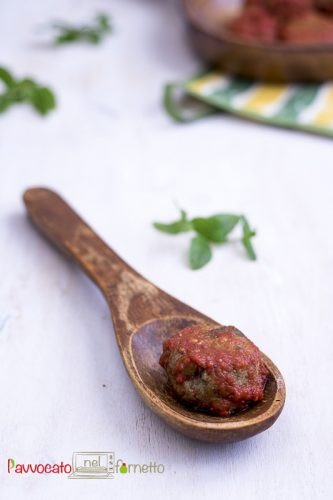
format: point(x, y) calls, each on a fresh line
point(144, 317)
point(146, 349)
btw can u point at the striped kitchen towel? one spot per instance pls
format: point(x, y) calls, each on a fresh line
point(306, 107)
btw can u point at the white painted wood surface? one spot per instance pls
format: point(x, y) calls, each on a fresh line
point(110, 149)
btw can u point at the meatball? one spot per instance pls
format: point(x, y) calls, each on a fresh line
point(214, 369)
point(311, 28)
point(325, 5)
point(288, 9)
point(255, 23)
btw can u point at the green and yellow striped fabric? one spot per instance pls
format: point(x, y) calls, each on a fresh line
point(301, 106)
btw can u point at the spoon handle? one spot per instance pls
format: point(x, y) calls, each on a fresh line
point(133, 300)
point(65, 228)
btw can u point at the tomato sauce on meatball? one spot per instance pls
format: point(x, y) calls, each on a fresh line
point(287, 21)
point(311, 28)
point(255, 23)
point(217, 369)
point(325, 5)
point(289, 9)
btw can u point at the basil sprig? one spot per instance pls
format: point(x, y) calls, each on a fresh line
point(25, 90)
point(94, 33)
point(209, 230)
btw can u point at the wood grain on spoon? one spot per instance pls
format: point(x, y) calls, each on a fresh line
point(143, 317)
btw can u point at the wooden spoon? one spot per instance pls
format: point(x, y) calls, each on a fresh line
point(143, 317)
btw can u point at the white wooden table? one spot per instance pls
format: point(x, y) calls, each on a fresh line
point(111, 150)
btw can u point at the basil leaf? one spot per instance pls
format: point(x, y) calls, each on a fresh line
point(92, 34)
point(92, 37)
point(200, 252)
point(43, 100)
point(25, 90)
point(6, 77)
point(180, 226)
point(104, 23)
point(248, 234)
point(4, 103)
point(217, 227)
point(213, 229)
point(174, 227)
point(66, 35)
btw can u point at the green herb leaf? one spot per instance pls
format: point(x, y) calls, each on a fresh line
point(217, 227)
point(6, 77)
point(248, 234)
point(43, 100)
point(4, 103)
point(22, 90)
point(200, 252)
point(66, 35)
point(25, 90)
point(104, 22)
point(214, 229)
point(93, 34)
point(180, 226)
